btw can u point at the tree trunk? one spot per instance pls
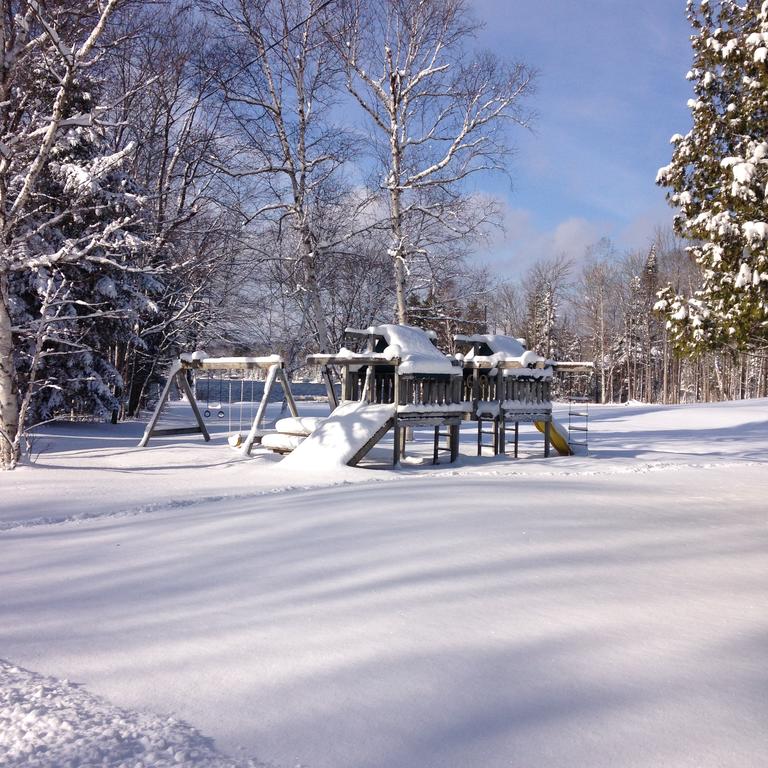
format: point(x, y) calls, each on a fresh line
point(9, 396)
point(402, 307)
point(313, 289)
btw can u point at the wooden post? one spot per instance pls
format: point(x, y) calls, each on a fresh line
point(329, 390)
point(184, 385)
point(175, 374)
point(547, 428)
point(287, 391)
point(261, 410)
point(368, 392)
point(396, 421)
point(517, 436)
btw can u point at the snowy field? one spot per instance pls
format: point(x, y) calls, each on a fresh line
point(181, 605)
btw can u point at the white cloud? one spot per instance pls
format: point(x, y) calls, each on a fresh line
point(513, 250)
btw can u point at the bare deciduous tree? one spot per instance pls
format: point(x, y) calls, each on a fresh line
point(277, 78)
point(437, 115)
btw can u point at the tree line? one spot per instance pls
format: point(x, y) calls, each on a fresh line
point(254, 176)
point(605, 309)
point(239, 174)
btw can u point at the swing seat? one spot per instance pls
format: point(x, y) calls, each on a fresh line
point(279, 442)
point(298, 425)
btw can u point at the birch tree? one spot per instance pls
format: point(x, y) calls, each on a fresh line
point(545, 289)
point(437, 114)
point(597, 299)
point(278, 89)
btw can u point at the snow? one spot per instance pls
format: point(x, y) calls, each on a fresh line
point(337, 438)
point(505, 349)
point(744, 277)
point(198, 355)
point(743, 172)
point(417, 353)
point(462, 407)
point(46, 722)
point(298, 425)
point(282, 442)
point(525, 405)
point(594, 611)
point(755, 231)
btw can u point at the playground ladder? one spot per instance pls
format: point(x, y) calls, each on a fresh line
point(493, 433)
point(578, 422)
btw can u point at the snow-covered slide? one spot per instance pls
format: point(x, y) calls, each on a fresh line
point(558, 436)
point(345, 437)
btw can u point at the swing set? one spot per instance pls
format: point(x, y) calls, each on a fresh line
point(215, 387)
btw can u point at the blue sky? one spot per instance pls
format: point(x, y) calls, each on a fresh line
point(610, 94)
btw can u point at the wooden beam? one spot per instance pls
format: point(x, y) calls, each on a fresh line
point(261, 410)
point(178, 375)
point(347, 360)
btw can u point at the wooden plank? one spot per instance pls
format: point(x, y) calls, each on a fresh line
point(573, 366)
point(177, 431)
point(395, 420)
point(229, 364)
point(454, 431)
point(380, 432)
point(333, 401)
point(286, 385)
point(344, 360)
point(176, 374)
point(175, 368)
point(251, 437)
point(184, 385)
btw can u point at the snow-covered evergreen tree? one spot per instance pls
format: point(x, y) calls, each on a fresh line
point(65, 211)
point(719, 180)
point(69, 314)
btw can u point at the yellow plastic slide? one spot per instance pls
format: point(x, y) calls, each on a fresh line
point(558, 436)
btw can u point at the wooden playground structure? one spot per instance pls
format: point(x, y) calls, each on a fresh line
point(509, 385)
point(431, 398)
point(392, 378)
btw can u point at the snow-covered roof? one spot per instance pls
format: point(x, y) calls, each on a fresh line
point(503, 348)
point(496, 342)
point(413, 346)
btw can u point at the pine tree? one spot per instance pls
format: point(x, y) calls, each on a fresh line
point(66, 214)
point(718, 178)
point(69, 315)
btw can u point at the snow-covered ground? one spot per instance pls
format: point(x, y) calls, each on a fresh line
point(179, 604)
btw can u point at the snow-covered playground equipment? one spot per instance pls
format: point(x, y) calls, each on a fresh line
point(509, 385)
point(398, 380)
point(393, 378)
point(274, 367)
